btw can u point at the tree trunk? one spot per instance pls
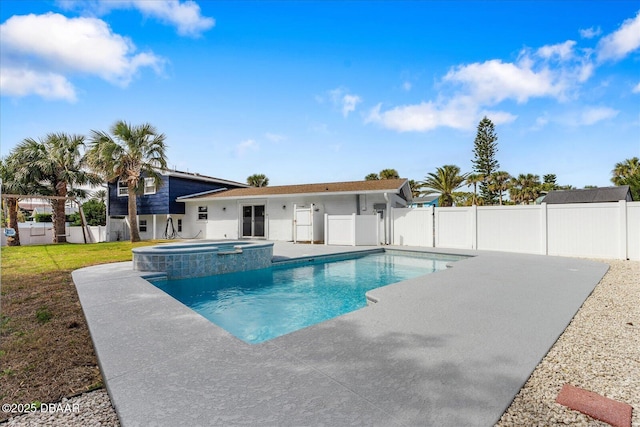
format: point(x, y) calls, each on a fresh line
point(12, 206)
point(133, 214)
point(59, 217)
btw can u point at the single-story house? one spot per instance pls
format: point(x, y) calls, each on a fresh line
point(159, 213)
point(589, 195)
point(281, 212)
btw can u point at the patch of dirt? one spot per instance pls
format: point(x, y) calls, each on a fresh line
point(46, 352)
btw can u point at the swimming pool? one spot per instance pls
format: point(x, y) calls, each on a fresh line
point(259, 305)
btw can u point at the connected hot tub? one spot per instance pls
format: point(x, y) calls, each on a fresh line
point(207, 258)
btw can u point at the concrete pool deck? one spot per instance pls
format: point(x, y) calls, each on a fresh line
point(447, 349)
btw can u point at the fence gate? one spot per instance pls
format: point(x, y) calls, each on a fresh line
point(303, 224)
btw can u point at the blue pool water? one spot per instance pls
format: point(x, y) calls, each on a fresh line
point(259, 305)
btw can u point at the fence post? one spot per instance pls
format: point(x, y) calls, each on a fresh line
point(326, 228)
point(474, 227)
point(353, 229)
point(623, 248)
point(377, 228)
point(544, 230)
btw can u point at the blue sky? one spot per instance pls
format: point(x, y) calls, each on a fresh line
point(331, 91)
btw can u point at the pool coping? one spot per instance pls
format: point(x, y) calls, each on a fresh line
point(450, 348)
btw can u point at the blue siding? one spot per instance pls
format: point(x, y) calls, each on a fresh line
point(183, 187)
point(157, 203)
point(117, 205)
point(164, 200)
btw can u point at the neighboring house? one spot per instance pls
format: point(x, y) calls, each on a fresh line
point(157, 204)
point(276, 213)
point(34, 206)
point(589, 195)
point(426, 201)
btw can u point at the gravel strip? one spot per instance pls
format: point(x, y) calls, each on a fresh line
point(599, 351)
point(87, 410)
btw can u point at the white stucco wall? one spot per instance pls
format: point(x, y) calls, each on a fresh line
point(226, 223)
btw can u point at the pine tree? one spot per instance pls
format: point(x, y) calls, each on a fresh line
point(484, 162)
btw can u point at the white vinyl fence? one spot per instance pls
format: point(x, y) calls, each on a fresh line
point(352, 230)
point(412, 227)
point(41, 233)
point(594, 230)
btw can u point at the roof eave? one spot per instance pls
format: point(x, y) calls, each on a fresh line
point(273, 196)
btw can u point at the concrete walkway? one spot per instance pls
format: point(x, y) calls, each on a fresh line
point(447, 349)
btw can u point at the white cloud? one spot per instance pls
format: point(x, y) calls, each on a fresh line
point(592, 115)
point(349, 103)
point(562, 51)
point(636, 88)
point(459, 113)
point(345, 101)
point(494, 81)
point(46, 48)
point(588, 116)
point(621, 42)
point(590, 33)
point(185, 16)
point(245, 147)
point(406, 86)
point(20, 82)
point(469, 91)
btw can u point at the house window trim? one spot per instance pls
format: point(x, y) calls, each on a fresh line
point(203, 213)
point(153, 184)
point(122, 185)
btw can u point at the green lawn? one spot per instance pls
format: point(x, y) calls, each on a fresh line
point(45, 348)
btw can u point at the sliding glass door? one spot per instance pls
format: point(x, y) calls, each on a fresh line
point(253, 221)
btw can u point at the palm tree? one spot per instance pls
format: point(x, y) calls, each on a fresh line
point(129, 154)
point(525, 188)
point(56, 165)
point(474, 179)
point(445, 181)
point(415, 188)
point(258, 180)
point(628, 173)
point(389, 174)
point(372, 177)
point(99, 195)
point(499, 181)
point(11, 185)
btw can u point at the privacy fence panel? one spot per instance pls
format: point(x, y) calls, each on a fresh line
point(351, 230)
point(593, 230)
point(511, 229)
point(413, 227)
point(455, 228)
point(633, 230)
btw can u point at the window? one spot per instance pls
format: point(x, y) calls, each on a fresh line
point(142, 226)
point(179, 225)
point(149, 186)
point(122, 189)
point(202, 213)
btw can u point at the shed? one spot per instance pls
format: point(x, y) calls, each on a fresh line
point(589, 195)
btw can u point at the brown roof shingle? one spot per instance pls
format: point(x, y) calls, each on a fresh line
point(329, 187)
